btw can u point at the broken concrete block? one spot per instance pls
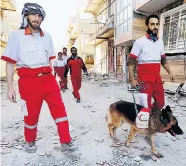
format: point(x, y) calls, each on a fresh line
point(137, 159)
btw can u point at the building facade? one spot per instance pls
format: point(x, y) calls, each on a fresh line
point(79, 31)
point(9, 23)
point(130, 25)
point(172, 30)
point(103, 37)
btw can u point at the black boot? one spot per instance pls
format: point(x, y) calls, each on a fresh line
point(78, 101)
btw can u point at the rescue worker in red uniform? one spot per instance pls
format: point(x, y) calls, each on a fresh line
point(75, 64)
point(60, 67)
point(31, 50)
point(65, 57)
point(148, 53)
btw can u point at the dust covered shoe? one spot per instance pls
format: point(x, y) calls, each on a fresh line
point(63, 90)
point(78, 101)
point(30, 147)
point(68, 147)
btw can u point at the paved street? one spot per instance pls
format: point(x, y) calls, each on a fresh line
point(89, 133)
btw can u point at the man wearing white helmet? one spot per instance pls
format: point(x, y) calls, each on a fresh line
point(31, 50)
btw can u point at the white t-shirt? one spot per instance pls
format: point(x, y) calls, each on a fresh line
point(60, 62)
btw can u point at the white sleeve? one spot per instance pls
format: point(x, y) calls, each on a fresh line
point(11, 52)
point(136, 49)
point(55, 63)
point(51, 53)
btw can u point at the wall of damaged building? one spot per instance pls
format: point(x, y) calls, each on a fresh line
point(111, 60)
point(174, 37)
point(100, 61)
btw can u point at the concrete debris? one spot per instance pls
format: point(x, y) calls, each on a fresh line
point(4, 143)
point(27, 163)
point(137, 159)
point(166, 144)
point(89, 131)
point(154, 158)
point(99, 141)
point(5, 150)
point(41, 154)
point(103, 164)
point(173, 139)
point(158, 161)
point(19, 147)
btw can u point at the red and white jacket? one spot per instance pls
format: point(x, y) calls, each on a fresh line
point(30, 52)
point(149, 55)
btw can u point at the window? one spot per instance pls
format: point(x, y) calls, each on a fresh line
point(117, 7)
point(125, 3)
point(123, 15)
point(121, 19)
point(174, 31)
point(125, 27)
point(122, 28)
point(129, 11)
point(110, 8)
point(118, 20)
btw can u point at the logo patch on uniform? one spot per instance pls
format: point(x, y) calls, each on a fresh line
point(142, 119)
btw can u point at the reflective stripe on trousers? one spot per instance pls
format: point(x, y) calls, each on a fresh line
point(61, 119)
point(30, 127)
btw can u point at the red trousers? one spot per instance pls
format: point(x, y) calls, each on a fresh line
point(76, 84)
point(34, 90)
point(152, 90)
point(60, 73)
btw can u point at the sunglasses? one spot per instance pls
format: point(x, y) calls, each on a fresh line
point(74, 50)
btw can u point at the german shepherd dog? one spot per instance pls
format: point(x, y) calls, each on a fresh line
point(160, 121)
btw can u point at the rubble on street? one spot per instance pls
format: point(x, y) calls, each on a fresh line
point(89, 131)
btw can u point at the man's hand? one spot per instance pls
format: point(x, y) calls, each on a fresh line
point(134, 83)
point(167, 68)
point(171, 77)
point(12, 95)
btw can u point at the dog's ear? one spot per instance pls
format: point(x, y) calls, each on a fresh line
point(168, 109)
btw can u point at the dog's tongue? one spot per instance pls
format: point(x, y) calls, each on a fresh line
point(173, 133)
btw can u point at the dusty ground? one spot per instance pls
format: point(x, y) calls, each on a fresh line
point(89, 132)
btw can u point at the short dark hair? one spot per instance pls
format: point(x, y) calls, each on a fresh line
point(149, 17)
point(59, 53)
point(64, 48)
point(73, 48)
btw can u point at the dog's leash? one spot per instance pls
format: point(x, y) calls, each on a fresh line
point(136, 89)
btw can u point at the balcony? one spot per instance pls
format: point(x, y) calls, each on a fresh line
point(108, 26)
point(92, 5)
point(105, 32)
point(8, 5)
point(150, 6)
